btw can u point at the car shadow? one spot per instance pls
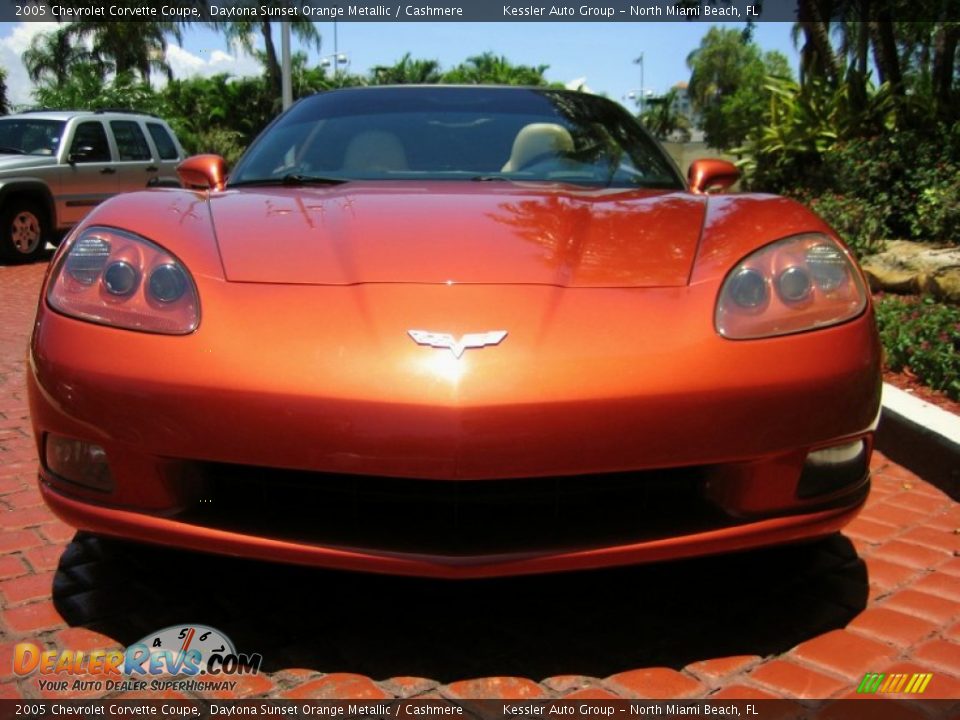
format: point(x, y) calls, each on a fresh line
point(44, 257)
point(588, 623)
point(927, 454)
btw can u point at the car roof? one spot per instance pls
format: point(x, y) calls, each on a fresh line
point(456, 86)
point(476, 86)
point(460, 87)
point(68, 114)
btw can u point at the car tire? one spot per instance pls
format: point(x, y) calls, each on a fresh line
point(23, 232)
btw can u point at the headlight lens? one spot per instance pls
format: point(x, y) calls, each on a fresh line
point(113, 277)
point(796, 284)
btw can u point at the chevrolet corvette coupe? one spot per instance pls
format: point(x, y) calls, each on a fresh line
point(454, 332)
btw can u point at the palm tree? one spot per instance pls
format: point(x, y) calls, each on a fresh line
point(664, 119)
point(817, 58)
point(946, 41)
point(51, 55)
point(129, 47)
point(489, 69)
point(407, 71)
point(4, 108)
point(244, 31)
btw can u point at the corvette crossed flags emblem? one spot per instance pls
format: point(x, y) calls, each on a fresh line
point(466, 342)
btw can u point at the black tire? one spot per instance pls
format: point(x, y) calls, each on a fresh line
point(24, 231)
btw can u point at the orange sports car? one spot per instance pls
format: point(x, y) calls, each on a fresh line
point(454, 332)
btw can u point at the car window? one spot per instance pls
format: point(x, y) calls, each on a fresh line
point(165, 144)
point(131, 144)
point(90, 143)
point(460, 134)
point(30, 136)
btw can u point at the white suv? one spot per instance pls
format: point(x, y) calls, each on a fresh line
point(56, 165)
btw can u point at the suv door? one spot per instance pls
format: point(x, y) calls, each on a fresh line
point(167, 150)
point(87, 175)
point(135, 162)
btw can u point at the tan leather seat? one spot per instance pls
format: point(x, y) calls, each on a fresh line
point(538, 139)
point(375, 150)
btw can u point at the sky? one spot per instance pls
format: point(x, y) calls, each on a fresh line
point(599, 54)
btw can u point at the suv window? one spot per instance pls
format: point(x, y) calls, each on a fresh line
point(90, 135)
point(161, 138)
point(131, 144)
point(71, 158)
point(30, 136)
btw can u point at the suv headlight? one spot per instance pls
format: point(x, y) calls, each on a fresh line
point(113, 277)
point(795, 284)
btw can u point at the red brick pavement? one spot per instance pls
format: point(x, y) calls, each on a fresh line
point(885, 599)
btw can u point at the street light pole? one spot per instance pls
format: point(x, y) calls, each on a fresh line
point(336, 53)
point(285, 70)
point(639, 61)
point(337, 59)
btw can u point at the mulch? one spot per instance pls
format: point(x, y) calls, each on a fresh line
point(908, 382)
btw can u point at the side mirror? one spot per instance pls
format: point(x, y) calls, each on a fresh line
point(80, 154)
point(706, 175)
point(204, 172)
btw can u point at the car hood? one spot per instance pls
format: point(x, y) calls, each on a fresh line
point(458, 232)
point(24, 162)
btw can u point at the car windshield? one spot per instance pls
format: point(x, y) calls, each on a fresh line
point(30, 136)
point(457, 133)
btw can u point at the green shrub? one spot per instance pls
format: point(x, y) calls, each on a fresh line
point(228, 144)
point(937, 212)
point(911, 175)
point(859, 223)
point(923, 336)
point(834, 144)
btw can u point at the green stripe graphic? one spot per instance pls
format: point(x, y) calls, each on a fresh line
point(870, 683)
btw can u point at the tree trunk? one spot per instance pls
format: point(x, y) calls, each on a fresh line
point(273, 65)
point(885, 52)
point(817, 33)
point(122, 64)
point(944, 51)
point(863, 38)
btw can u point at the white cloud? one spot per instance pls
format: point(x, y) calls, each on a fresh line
point(23, 34)
point(211, 62)
point(579, 84)
point(12, 47)
point(204, 62)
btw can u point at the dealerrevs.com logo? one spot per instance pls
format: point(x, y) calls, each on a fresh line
point(179, 651)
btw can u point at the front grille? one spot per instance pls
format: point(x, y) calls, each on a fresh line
point(454, 517)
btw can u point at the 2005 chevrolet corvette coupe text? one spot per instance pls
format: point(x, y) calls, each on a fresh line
point(454, 332)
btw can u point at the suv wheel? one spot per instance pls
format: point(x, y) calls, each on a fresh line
point(23, 235)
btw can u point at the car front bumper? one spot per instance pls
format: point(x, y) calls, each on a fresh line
point(564, 400)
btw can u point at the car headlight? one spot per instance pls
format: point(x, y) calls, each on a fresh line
point(796, 284)
point(113, 277)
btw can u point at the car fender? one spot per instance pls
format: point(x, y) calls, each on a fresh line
point(32, 186)
point(737, 224)
point(178, 221)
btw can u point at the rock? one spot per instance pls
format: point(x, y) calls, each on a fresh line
point(913, 267)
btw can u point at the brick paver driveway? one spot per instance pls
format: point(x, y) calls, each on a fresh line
point(797, 622)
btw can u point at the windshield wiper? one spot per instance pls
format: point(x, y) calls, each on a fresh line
point(490, 178)
point(298, 179)
point(292, 179)
point(6, 150)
